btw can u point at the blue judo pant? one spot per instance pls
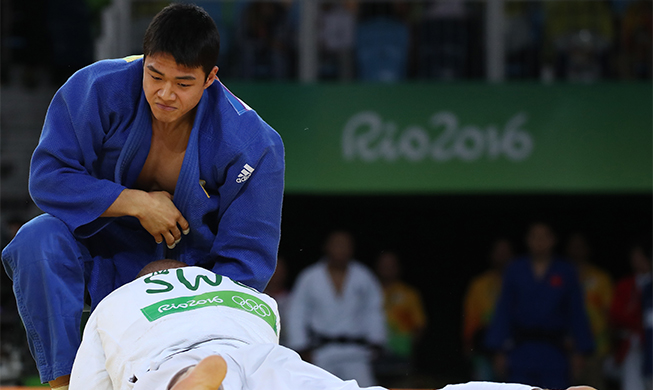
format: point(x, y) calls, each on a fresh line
point(539, 364)
point(51, 269)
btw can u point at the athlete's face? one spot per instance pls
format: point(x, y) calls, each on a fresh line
point(387, 266)
point(501, 254)
point(339, 248)
point(540, 240)
point(173, 90)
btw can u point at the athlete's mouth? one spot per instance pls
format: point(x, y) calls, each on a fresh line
point(164, 107)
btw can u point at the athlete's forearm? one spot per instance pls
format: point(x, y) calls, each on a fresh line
point(155, 211)
point(128, 203)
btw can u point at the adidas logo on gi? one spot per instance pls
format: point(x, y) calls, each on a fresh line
point(244, 174)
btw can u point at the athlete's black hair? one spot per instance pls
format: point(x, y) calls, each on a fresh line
point(186, 32)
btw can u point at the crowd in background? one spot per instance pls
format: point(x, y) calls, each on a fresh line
point(569, 40)
point(609, 348)
point(540, 318)
point(528, 318)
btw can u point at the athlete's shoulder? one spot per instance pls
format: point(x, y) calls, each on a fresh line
point(119, 71)
point(517, 268)
point(563, 265)
point(117, 83)
point(363, 274)
point(312, 272)
point(240, 124)
point(360, 268)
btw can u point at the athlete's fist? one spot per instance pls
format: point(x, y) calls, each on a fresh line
point(161, 218)
point(155, 211)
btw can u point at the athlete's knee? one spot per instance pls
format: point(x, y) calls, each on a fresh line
point(44, 229)
point(43, 238)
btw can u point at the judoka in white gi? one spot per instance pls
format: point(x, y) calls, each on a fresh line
point(146, 331)
point(187, 328)
point(335, 318)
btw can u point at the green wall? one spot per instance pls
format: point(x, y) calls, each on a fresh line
point(460, 138)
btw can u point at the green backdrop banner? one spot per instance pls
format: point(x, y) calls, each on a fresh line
point(410, 138)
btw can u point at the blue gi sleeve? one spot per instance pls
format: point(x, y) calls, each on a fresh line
point(63, 180)
point(249, 230)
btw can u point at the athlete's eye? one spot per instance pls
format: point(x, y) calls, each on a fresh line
point(155, 77)
point(184, 85)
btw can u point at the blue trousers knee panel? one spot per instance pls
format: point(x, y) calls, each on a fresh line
point(51, 268)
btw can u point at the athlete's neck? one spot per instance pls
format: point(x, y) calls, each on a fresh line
point(541, 265)
point(181, 126)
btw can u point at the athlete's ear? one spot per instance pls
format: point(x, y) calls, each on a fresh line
point(211, 77)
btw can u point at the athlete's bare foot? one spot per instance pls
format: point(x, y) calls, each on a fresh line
point(206, 375)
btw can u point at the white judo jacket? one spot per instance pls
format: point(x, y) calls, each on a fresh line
point(137, 328)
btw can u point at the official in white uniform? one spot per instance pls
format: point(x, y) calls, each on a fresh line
point(335, 318)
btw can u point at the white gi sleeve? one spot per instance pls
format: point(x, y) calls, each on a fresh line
point(488, 386)
point(89, 369)
point(296, 322)
point(375, 316)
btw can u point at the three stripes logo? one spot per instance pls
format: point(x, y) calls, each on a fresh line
point(244, 174)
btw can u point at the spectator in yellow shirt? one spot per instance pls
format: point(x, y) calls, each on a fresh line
point(478, 308)
point(405, 319)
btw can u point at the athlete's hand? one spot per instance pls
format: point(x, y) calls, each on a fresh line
point(161, 218)
point(156, 212)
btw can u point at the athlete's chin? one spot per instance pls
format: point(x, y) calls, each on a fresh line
point(165, 117)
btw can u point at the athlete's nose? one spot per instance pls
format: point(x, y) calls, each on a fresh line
point(166, 93)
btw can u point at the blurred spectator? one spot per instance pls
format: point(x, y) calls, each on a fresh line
point(637, 40)
point(540, 328)
point(443, 40)
point(479, 304)
point(11, 365)
point(277, 288)
point(382, 43)
point(626, 318)
point(597, 287)
point(69, 26)
point(29, 37)
point(265, 41)
point(578, 37)
point(336, 313)
point(523, 39)
point(337, 37)
point(406, 321)
point(647, 311)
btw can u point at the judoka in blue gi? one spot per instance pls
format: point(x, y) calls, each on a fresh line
point(135, 152)
point(540, 327)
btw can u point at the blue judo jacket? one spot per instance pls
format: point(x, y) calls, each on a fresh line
point(94, 143)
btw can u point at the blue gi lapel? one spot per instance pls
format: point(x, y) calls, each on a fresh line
point(189, 175)
point(134, 152)
point(190, 197)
